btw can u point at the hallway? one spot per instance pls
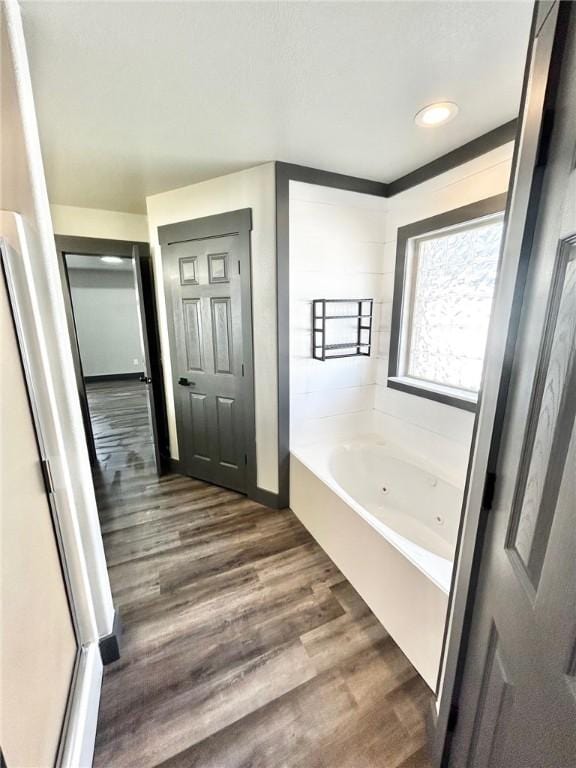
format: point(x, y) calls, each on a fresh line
point(243, 644)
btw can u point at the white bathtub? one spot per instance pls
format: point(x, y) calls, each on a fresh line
point(389, 521)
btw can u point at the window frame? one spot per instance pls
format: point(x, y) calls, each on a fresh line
point(467, 214)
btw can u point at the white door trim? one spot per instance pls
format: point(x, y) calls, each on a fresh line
point(33, 280)
point(36, 292)
point(79, 731)
point(79, 727)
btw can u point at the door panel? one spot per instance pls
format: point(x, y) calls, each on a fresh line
point(552, 408)
point(222, 334)
point(517, 706)
point(199, 423)
point(37, 636)
point(496, 698)
point(226, 414)
point(204, 271)
point(192, 334)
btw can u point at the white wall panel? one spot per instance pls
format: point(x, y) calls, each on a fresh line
point(337, 250)
point(343, 245)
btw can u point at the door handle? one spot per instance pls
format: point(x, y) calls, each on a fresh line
point(185, 383)
point(145, 379)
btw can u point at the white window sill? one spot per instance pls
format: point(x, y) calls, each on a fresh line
point(449, 395)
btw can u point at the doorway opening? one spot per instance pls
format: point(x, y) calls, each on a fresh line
point(106, 316)
point(111, 319)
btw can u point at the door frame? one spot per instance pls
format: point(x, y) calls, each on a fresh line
point(528, 167)
point(7, 256)
point(239, 223)
point(139, 252)
point(80, 572)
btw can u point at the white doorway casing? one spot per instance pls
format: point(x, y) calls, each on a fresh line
point(34, 284)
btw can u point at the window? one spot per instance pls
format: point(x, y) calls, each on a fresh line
point(445, 275)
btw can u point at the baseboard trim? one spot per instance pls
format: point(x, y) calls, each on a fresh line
point(79, 733)
point(174, 466)
point(165, 463)
point(268, 498)
point(430, 721)
point(113, 377)
point(110, 644)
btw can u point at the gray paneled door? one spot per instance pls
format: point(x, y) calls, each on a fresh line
point(206, 266)
point(517, 706)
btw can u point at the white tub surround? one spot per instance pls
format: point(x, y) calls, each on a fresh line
point(337, 251)
point(389, 521)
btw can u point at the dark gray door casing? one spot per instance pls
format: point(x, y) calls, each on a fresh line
point(147, 378)
point(144, 283)
point(207, 283)
point(517, 704)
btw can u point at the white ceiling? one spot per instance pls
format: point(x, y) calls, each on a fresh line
point(135, 98)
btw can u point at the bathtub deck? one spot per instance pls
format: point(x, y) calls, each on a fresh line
point(243, 644)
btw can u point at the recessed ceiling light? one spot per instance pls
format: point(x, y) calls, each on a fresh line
point(436, 114)
point(111, 259)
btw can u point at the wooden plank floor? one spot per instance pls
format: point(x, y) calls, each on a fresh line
point(244, 646)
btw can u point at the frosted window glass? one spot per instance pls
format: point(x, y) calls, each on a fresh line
point(454, 276)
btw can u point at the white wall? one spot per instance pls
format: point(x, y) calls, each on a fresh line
point(343, 245)
point(432, 428)
point(255, 189)
point(107, 321)
point(337, 250)
point(94, 222)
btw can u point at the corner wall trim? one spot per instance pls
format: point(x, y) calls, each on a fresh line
point(479, 146)
point(110, 644)
point(304, 173)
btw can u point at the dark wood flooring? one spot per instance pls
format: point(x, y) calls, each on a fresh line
point(244, 646)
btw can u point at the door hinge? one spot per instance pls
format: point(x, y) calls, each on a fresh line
point(452, 719)
point(242, 369)
point(47, 476)
point(238, 267)
point(488, 495)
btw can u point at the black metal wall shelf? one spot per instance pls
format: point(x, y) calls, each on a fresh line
point(355, 336)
